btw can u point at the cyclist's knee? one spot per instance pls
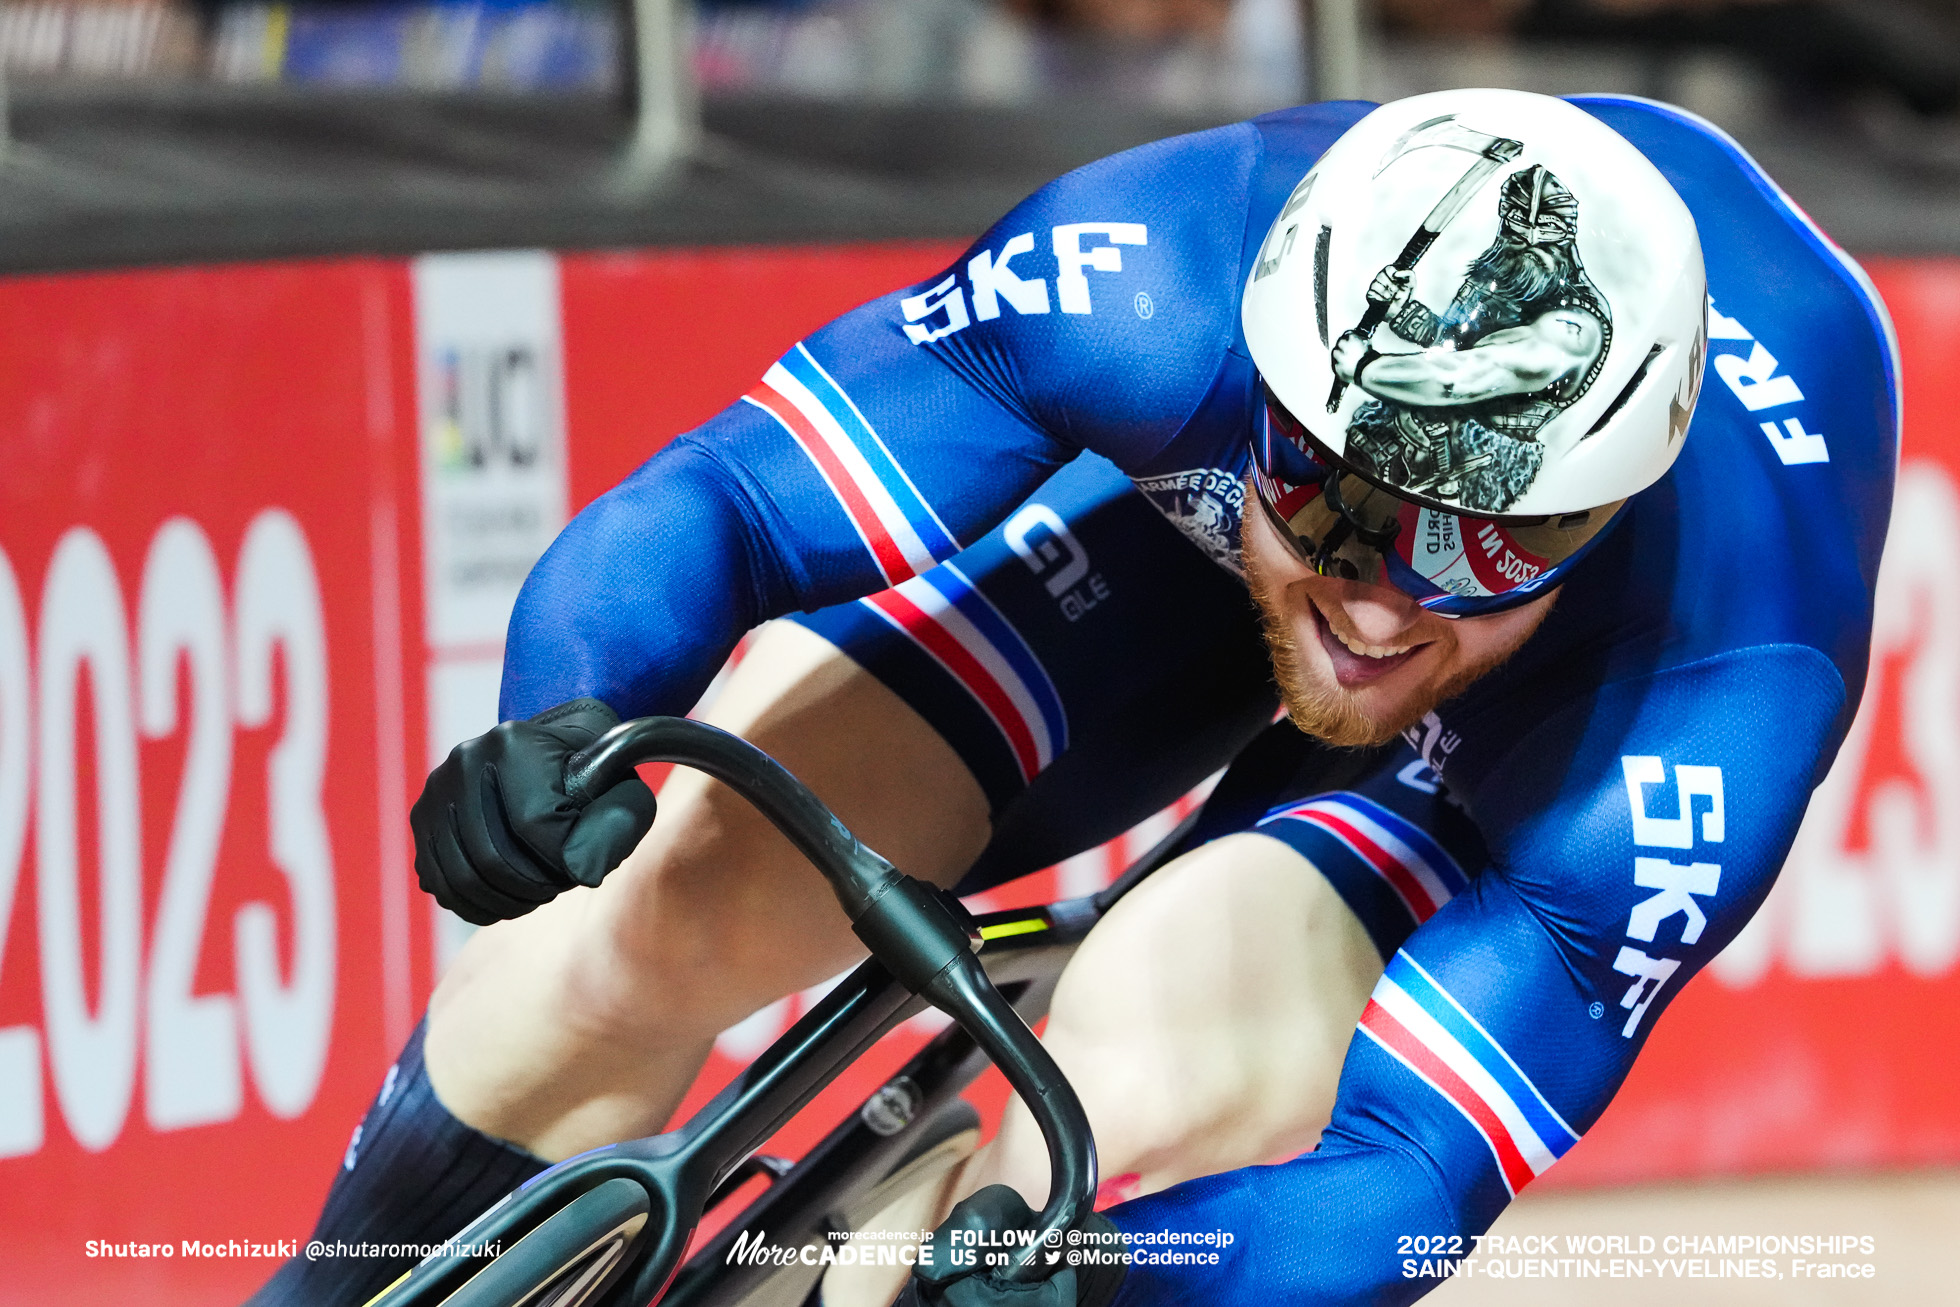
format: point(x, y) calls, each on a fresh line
point(1241, 930)
point(1231, 982)
point(713, 916)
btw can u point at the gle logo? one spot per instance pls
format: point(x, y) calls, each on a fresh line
point(1042, 539)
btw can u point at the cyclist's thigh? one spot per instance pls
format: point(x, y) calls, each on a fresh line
point(1085, 661)
point(880, 767)
point(585, 1021)
point(1205, 1020)
point(1066, 676)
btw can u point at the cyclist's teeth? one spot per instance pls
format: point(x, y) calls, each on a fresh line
point(1371, 650)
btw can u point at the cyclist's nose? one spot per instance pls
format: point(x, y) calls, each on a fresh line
point(1376, 614)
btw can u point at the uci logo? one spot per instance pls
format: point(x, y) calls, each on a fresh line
point(1039, 535)
point(492, 406)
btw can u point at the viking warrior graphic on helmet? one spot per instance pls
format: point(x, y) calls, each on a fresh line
point(1523, 339)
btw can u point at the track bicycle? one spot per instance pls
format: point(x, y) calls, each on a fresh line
point(612, 1225)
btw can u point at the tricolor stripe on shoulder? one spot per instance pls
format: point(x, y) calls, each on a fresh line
point(944, 614)
point(1818, 238)
point(896, 524)
point(1417, 1023)
point(1422, 875)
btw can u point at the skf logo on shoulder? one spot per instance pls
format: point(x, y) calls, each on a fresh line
point(1676, 884)
point(1079, 249)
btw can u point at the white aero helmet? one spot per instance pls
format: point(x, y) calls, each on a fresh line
point(1480, 323)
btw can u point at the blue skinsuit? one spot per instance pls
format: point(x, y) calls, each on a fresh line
point(1635, 774)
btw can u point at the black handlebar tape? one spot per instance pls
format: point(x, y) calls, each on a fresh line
point(911, 929)
point(906, 924)
point(964, 987)
point(857, 874)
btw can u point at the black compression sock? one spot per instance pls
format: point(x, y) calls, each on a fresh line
point(413, 1174)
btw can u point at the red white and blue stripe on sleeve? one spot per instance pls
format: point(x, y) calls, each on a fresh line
point(1359, 845)
point(901, 531)
point(958, 627)
point(1416, 1022)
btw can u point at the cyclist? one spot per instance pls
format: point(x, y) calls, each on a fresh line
point(1433, 367)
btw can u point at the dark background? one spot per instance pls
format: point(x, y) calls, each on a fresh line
point(862, 119)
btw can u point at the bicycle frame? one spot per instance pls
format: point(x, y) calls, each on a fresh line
point(921, 951)
point(1024, 952)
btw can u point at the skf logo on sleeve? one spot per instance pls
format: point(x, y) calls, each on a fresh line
point(1676, 884)
point(1079, 249)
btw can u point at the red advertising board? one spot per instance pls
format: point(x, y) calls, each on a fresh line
point(202, 775)
point(216, 700)
point(236, 516)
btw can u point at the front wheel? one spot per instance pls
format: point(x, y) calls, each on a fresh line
point(569, 1260)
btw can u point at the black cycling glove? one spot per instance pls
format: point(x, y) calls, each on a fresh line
point(495, 834)
point(1086, 1272)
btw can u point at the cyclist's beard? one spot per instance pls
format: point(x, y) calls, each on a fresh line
point(1322, 711)
point(1319, 706)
